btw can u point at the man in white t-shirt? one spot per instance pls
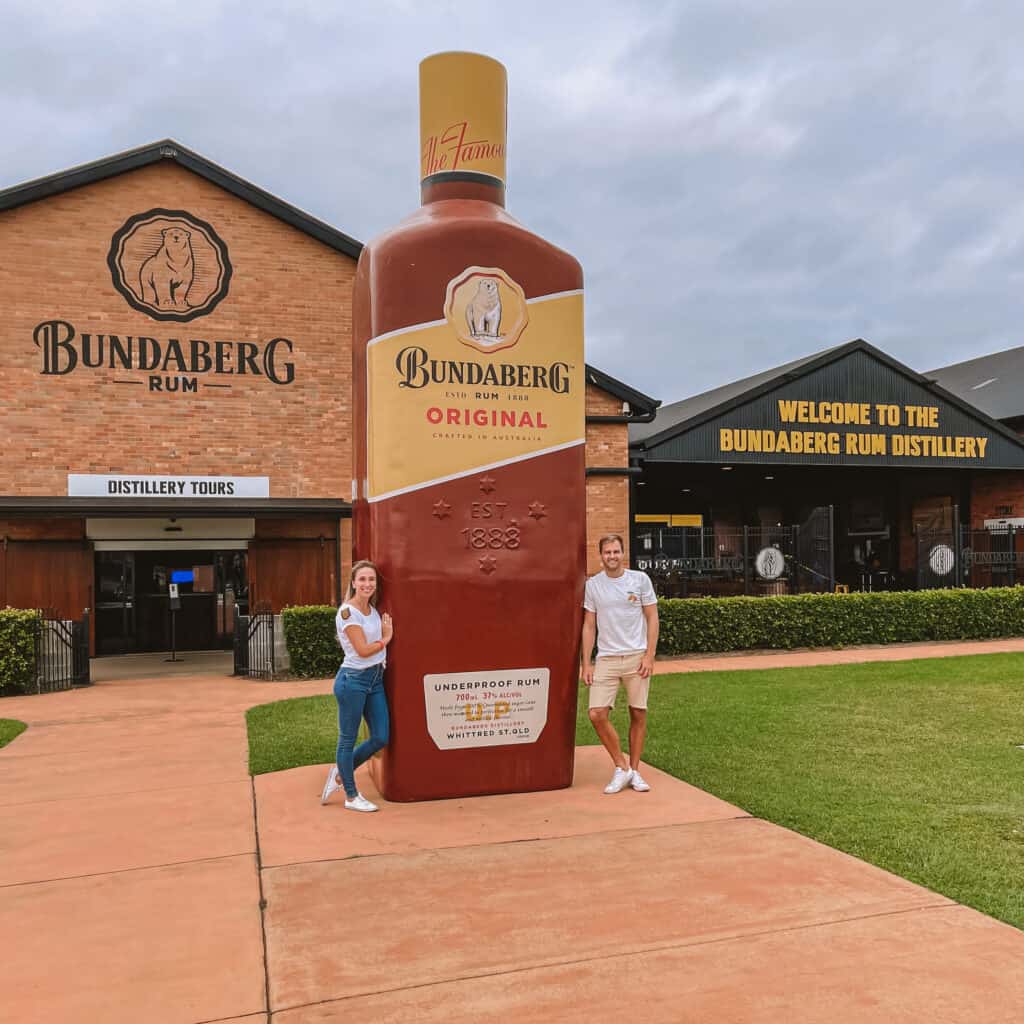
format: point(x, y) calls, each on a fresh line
point(621, 610)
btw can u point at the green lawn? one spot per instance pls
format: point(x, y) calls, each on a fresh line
point(290, 733)
point(9, 729)
point(913, 766)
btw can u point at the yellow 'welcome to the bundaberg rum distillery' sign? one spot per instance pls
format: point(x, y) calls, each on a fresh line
point(845, 428)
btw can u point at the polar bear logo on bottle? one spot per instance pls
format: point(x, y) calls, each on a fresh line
point(166, 277)
point(486, 309)
point(483, 313)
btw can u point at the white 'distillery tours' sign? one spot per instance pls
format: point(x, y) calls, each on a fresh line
point(123, 485)
point(486, 709)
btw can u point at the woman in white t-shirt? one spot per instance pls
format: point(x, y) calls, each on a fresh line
point(364, 635)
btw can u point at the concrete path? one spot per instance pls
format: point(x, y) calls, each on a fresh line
point(128, 859)
point(840, 656)
point(145, 877)
point(143, 666)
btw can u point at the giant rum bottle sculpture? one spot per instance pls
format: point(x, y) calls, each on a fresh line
point(470, 492)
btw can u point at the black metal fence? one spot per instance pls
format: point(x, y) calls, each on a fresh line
point(965, 557)
point(688, 561)
point(254, 642)
point(62, 652)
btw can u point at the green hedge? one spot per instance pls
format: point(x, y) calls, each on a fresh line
point(18, 629)
point(838, 620)
point(312, 644)
point(700, 624)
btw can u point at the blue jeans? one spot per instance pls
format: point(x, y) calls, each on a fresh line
point(359, 693)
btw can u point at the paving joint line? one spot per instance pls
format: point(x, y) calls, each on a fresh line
point(263, 900)
point(512, 842)
point(116, 718)
point(34, 732)
point(255, 1015)
point(618, 955)
point(125, 871)
point(125, 792)
point(61, 755)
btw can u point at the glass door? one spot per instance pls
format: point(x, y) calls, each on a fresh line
point(115, 602)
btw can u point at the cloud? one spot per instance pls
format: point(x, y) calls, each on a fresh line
point(744, 182)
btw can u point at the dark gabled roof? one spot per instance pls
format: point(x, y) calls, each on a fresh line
point(168, 149)
point(992, 383)
point(684, 416)
point(638, 401)
point(680, 414)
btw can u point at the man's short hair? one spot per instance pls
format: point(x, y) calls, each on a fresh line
point(607, 539)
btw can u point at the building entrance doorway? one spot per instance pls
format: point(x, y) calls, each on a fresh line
point(133, 607)
point(135, 561)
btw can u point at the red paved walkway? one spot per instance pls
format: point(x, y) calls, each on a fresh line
point(131, 877)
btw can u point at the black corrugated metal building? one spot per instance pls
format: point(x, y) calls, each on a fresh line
point(847, 463)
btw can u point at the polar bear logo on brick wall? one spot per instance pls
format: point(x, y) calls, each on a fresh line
point(169, 264)
point(166, 276)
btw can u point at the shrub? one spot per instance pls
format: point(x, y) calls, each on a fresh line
point(699, 624)
point(18, 630)
point(837, 620)
point(312, 644)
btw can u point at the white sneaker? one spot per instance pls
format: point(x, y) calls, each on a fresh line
point(638, 783)
point(332, 785)
point(359, 803)
point(620, 780)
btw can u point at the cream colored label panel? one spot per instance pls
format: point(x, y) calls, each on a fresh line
point(486, 709)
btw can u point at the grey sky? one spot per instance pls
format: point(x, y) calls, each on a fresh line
point(744, 181)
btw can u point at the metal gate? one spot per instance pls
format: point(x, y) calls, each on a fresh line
point(940, 556)
point(815, 554)
point(975, 558)
point(992, 557)
point(254, 642)
point(62, 652)
point(761, 560)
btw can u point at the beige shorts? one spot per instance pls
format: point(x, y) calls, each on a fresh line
point(612, 669)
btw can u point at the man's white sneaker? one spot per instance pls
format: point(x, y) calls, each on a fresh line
point(620, 780)
point(359, 803)
point(332, 785)
point(638, 783)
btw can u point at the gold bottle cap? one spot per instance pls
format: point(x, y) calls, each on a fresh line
point(462, 118)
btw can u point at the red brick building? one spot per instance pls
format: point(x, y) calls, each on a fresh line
point(175, 345)
point(176, 351)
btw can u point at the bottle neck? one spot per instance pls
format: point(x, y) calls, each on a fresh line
point(438, 190)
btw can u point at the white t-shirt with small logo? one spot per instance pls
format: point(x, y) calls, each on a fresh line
point(372, 629)
point(618, 604)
